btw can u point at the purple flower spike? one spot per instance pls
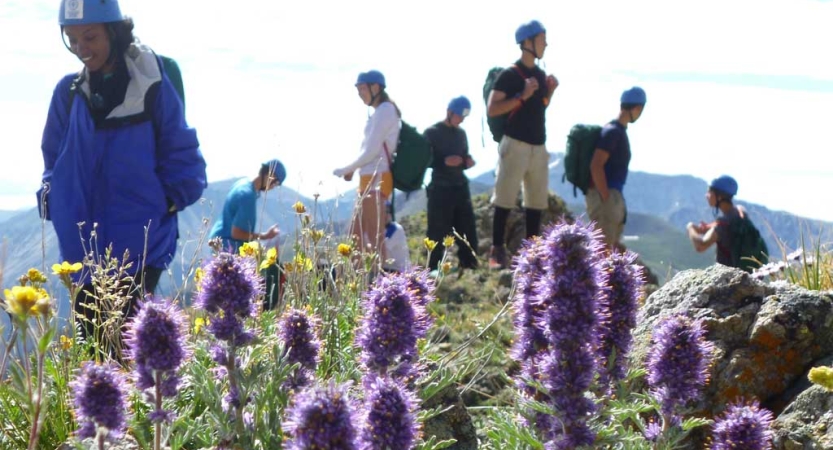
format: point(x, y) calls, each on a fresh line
point(321, 417)
point(617, 310)
point(393, 322)
point(156, 337)
point(297, 331)
point(230, 284)
point(746, 426)
point(421, 285)
point(388, 418)
point(678, 362)
point(100, 399)
point(558, 283)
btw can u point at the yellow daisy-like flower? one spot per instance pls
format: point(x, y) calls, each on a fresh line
point(65, 268)
point(822, 376)
point(446, 268)
point(289, 267)
point(448, 241)
point(302, 263)
point(66, 343)
point(21, 301)
point(316, 235)
point(36, 276)
point(199, 322)
point(271, 259)
point(250, 249)
point(429, 244)
point(344, 249)
point(299, 207)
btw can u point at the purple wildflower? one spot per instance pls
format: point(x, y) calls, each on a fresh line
point(100, 399)
point(617, 310)
point(321, 417)
point(156, 338)
point(678, 362)
point(393, 322)
point(230, 284)
point(421, 285)
point(652, 431)
point(528, 268)
point(746, 426)
point(297, 331)
point(388, 419)
point(555, 324)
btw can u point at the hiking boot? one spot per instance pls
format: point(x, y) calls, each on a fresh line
point(497, 258)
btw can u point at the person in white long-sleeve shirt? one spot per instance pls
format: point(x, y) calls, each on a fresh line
point(381, 135)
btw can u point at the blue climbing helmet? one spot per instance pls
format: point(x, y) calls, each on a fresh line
point(275, 167)
point(460, 106)
point(371, 77)
point(528, 31)
point(725, 184)
point(84, 12)
point(634, 96)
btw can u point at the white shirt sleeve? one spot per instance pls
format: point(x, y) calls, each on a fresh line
point(382, 122)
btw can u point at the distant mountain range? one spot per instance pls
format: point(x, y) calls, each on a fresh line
point(659, 207)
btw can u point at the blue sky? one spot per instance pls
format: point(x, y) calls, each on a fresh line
point(743, 86)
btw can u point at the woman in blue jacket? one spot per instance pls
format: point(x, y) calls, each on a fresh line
point(119, 157)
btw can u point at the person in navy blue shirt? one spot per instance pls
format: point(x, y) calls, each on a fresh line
point(609, 169)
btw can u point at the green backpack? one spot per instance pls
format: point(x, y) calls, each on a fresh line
point(496, 124)
point(411, 161)
point(749, 251)
point(171, 68)
point(581, 144)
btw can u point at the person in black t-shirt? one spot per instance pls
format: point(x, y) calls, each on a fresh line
point(523, 91)
point(449, 199)
point(609, 169)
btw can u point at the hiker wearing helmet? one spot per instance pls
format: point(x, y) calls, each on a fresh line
point(119, 157)
point(238, 223)
point(609, 169)
point(449, 199)
point(522, 92)
point(381, 134)
point(739, 244)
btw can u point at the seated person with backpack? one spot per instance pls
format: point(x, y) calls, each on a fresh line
point(396, 244)
point(739, 244)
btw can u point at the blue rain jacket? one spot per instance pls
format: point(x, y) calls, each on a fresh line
point(126, 178)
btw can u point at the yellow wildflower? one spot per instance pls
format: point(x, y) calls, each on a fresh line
point(446, 267)
point(250, 249)
point(21, 300)
point(199, 322)
point(448, 241)
point(822, 376)
point(344, 249)
point(36, 276)
point(302, 263)
point(429, 244)
point(198, 274)
point(66, 343)
point(289, 267)
point(299, 207)
point(65, 268)
point(316, 235)
point(271, 259)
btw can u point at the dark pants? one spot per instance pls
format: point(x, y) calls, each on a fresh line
point(450, 208)
point(144, 283)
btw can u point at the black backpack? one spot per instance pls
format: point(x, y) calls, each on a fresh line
point(748, 249)
point(497, 124)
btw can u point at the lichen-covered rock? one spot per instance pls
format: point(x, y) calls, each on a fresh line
point(455, 423)
point(807, 423)
point(766, 337)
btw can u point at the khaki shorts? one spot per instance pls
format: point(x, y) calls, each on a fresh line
point(609, 216)
point(521, 163)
